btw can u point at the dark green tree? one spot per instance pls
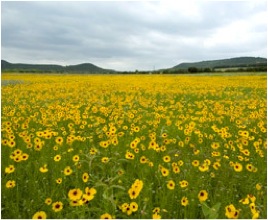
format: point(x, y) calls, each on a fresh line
point(192, 70)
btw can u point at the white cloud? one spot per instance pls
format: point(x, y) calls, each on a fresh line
point(132, 35)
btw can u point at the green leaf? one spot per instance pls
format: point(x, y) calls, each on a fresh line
point(205, 209)
point(117, 186)
point(216, 207)
point(211, 213)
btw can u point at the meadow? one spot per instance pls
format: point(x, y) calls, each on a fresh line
point(135, 146)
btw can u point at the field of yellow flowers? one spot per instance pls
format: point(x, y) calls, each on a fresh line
point(116, 146)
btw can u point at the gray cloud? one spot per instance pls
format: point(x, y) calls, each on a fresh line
point(132, 35)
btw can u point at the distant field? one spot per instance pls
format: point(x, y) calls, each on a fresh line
point(135, 146)
point(230, 69)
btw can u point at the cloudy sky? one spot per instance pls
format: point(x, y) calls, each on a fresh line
point(130, 35)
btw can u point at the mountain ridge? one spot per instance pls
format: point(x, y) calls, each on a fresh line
point(236, 62)
point(221, 63)
point(79, 68)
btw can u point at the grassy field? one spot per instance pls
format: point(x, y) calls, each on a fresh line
point(99, 146)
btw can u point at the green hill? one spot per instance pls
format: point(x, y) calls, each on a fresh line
point(232, 64)
point(224, 63)
point(86, 68)
point(48, 68)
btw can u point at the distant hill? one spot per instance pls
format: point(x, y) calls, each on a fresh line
point(50, 68)
point(87, 68)
point(233, 64)
point(224, 63)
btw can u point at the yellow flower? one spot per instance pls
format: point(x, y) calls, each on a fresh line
point(11, 143)
point(202, 195)
point(252, 208)
point(105, 160)
point(215, 154)
point(195, 163)
point(164, 171)
point(105, 216)
point(150, 164)
point(216, 165)
point(156, 216)
point(76, 202)
point(129, 155)
point(258, 186)
point(43, 169)
point(40, 215)
point(207, 161)
point(57, 206)
point(204, 167)
point(70, 150)
point(152, 144)
point(215, 145)
point(85, 177)
point(75, 158)
point(180, 162)
point(24, 156)
point(17, 152)
point(128, 210)
point(238, 167)
point(133, 144)
point(243, 133)
point(134, 206)
point(59, 180)
point(59, 140)
point(10, 184)
point(104, 144)
point(246, 152)
point(156, 210)
point(75, 194)
point(255, 215)
point(10, 169)
point(251, 197)
point(57, 158)
point(120, 172)
point(135, 189)
point(166, 159)
point(184, 201)
point(124, 207)
point(143, 159)
point(93, 151)
point(244, 201)
point(68, 171)
point(17, 158)
point(38, 147)
point(250, 167)
point(212, 175)
point(132, 193)
point(231, 212)
point(184, 183)
point(48, 201)
point(176, 169)
point(171, 184)
point(196, 151)
point(89, 193)
point(164, 135)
